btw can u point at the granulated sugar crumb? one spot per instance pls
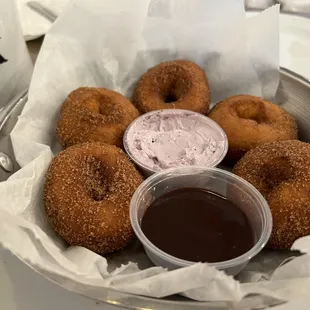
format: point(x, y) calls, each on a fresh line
point(87, 196)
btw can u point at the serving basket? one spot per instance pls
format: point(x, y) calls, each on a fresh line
point(293, 95)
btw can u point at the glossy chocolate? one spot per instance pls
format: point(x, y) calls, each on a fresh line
point(197, 225)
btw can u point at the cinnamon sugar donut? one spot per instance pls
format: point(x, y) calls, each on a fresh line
point(250, 121)
point(87, 193)
point(281, 172)
point(94, 114)
point(176, 84)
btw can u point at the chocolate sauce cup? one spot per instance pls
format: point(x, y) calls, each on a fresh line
point(224, 183)
point(217, 133)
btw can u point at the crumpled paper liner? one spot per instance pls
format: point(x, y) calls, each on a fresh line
point(110, 44)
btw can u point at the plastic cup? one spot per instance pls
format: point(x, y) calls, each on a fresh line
point(217, 133)
point(234, 188)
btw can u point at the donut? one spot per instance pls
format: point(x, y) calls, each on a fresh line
point(250, 121)
point(94, 115)
point(87, 193)
point(176, 84)
point(281, 173)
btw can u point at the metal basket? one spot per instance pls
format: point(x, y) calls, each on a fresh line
point(293, 95)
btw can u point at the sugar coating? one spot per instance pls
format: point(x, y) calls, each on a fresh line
point(250, 121)
point(281, 172)
point(184, 82)
point(87, 194)
point(94, 114)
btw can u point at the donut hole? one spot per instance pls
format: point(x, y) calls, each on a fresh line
point(174, 91)
point(106, 106)
point(252, 110)
point(91, 104)
point(277, 171)
point(170, 97)
point(97, 189)
point(100, 104)
point(95, 179)
point(173, 84)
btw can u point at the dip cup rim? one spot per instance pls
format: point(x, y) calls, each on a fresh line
point(208, 119)
point(258, 246)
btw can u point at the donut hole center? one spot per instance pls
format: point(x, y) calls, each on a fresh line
point(252, 110)
point(98, 190)
point(106, 106)
point(100, 104)
point(173, 84)
point(276, 171)
point(96, 182)
point(170, 97)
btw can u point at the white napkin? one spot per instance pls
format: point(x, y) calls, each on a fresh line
point(110, 44)
point(35, 24)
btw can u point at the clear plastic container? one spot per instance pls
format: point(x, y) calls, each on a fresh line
point(234, 188)
point(216, 132)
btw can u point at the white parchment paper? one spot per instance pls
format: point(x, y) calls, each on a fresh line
point(110, 44)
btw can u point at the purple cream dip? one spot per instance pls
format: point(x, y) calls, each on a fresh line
point(170, 138)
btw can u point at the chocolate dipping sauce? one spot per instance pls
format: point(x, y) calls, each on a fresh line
point(197, 225)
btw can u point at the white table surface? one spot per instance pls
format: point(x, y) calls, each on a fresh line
point(23, 289)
